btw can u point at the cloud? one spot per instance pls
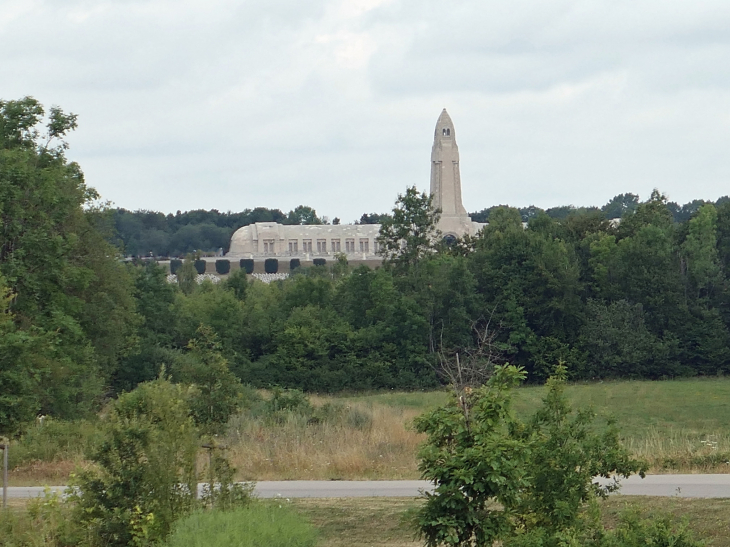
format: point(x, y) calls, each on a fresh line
point(230, 104)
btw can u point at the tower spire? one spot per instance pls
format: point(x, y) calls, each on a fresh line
point(445, 175)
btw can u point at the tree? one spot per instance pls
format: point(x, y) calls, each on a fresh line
point(303, 215)
point(496, 479)
point(477, 465)
point(620, 204)
point(187, 275)
point(699, 250)
point(19, 401)
point(411, 233)
point(65, 278)
point(218, 392)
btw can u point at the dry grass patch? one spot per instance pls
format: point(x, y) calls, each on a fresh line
point(369, 442)
point(40, 473)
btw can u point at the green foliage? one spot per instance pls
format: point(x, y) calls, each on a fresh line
point(200, 266)
point(660, 530)
point(292, 400)
point(144, 477)
point(496, 478)
point(271, 265)
point(222, 266)
point(269, 524)
point(411, 232)
point(238, 283)
point(186, 275)
point(18, 382)
point(46, 521)
point(217, 392)
point(246, 265)
point(71, 297)
point(566, 451)
point(302, 215)
point(477, 463)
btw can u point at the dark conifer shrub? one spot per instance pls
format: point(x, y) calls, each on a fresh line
point(319, 261)
point(200, 266)
point(175, 265)
point(294, 264)
point(271, 265)
point(247, 264)
point(222, 266)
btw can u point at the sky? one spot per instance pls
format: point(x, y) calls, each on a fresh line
point(228, 105)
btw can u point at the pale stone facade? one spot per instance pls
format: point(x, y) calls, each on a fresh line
point(359, 241)
point(269, 239)
point(446, 181)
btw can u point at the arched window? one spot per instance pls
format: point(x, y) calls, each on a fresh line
point(447, 132)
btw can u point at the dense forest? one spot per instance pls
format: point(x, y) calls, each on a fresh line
point(644, 298)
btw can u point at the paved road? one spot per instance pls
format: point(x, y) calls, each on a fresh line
point(685, 486)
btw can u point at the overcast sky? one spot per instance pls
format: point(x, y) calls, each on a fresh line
point(187, 104)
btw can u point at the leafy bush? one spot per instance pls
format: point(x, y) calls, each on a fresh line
point(292, 400)
point(271, 265)
point(175, 265)
point(319, 262)
point(259, 524)
point(200, 266)
point(540, 474)
point(144, 477)
point(294, 263)
point(222, 266)
point(246, 265)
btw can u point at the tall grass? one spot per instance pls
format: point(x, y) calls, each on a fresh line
point(678, 426)
point(258, 524)
point(359, 440)
point(50, 450)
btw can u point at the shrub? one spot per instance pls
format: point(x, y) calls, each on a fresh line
point(491, 471)
point(294, 263)
point(271, 265)
point(222, 266)
point(175, 265)
point(319, 262)
point(258, 524)
point(288, 399)
point(247, 265)
point(200, 266)
point(144, 477)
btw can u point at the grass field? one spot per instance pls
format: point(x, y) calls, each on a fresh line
point(678, 426)
point(385, 521)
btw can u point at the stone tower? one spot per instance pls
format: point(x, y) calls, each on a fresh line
point(446, 180)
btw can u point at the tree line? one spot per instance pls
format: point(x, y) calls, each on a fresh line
point(643, 298)
point(150, 233)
